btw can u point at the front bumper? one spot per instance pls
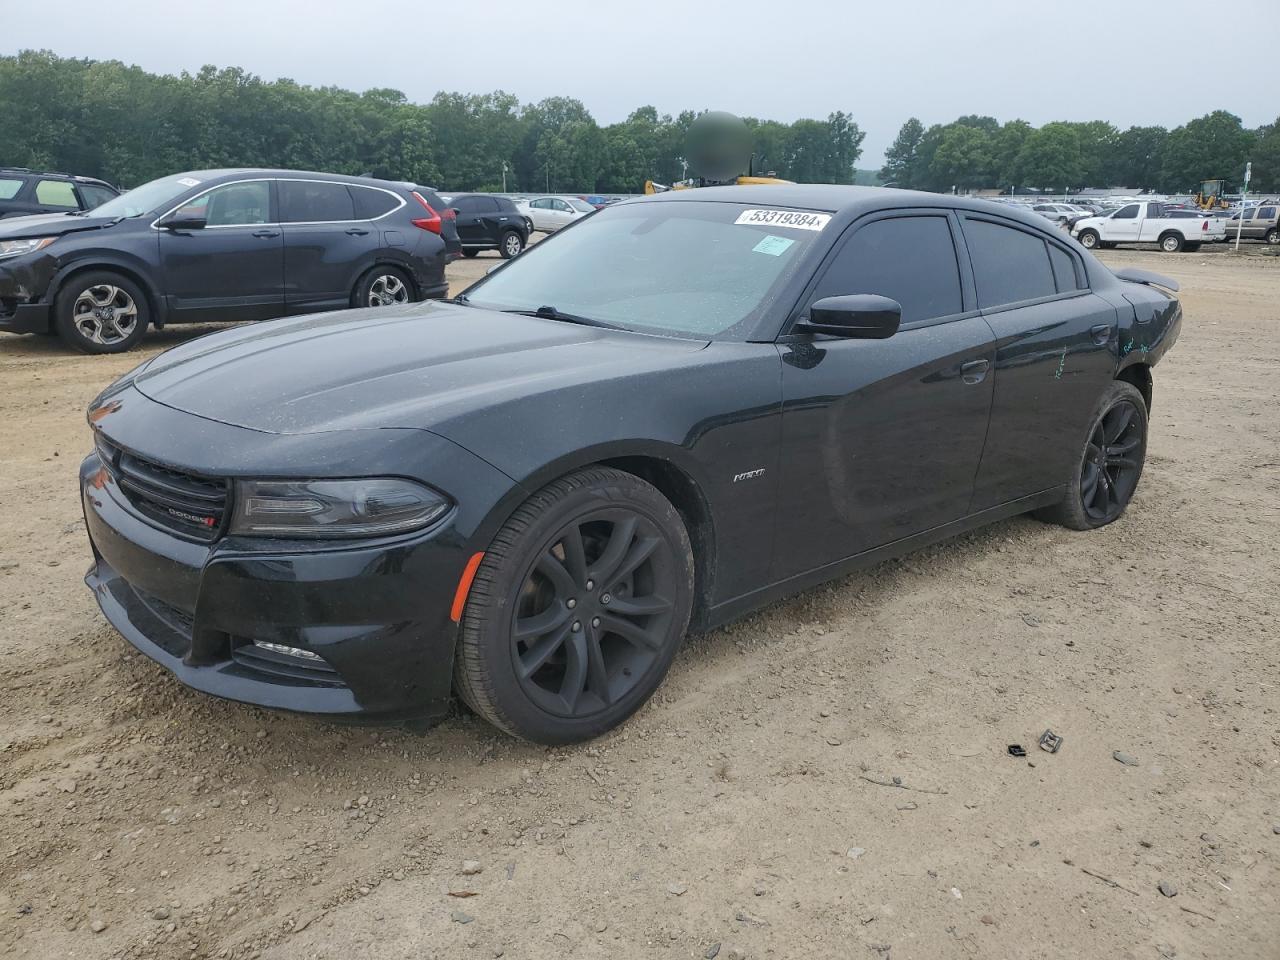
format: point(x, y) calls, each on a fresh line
point(375, 613)
point(23, 280)
point(24, 317)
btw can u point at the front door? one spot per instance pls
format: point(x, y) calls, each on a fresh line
point(1055, 352)
point(882, 438)
point(1124, 224)
point(233, 268)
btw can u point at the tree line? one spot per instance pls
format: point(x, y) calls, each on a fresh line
point(121, 123)
point(980, 152)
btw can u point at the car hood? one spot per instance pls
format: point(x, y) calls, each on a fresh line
point(51, 225)
point(417, 365)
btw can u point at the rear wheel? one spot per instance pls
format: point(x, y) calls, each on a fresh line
point(471, 252)
point(511, 244)
point(577, 609)
point(1171, 242)
point(1273, 235)
point(1107, 470)
point(382, 287)
point(101, 312)
point(1088, 239)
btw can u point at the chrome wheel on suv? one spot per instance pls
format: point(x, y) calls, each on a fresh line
point(105, 314)
point(387, 289)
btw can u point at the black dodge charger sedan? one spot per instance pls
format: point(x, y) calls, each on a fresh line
point(215, 245)
point(675, 411)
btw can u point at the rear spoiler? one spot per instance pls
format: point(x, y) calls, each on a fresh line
point(1134, 275)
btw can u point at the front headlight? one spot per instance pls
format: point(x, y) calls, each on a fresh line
point(334, 508)
point(15, 248)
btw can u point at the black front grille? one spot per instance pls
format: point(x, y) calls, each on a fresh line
point(183, 502)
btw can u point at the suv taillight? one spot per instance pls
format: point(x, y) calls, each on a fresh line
point(1204, 225)
point(431, 221)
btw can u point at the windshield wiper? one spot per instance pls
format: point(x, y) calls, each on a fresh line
point(551, 313)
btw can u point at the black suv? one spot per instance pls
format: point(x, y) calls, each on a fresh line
point(24, 192)
point(487, 222)
point(217, 245)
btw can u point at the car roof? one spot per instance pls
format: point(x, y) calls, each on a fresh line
point(234, 172)
point(53, 175)
point(847, 202)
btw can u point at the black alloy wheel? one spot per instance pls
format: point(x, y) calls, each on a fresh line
point(1107, 473)
point(577, 609)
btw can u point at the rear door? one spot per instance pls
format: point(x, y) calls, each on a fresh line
point(1055, 352)
point(1262, 220)
point(233, 268)
point(882, 438)
point(326, 245)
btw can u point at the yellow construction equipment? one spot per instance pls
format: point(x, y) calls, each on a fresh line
point(1210, 196)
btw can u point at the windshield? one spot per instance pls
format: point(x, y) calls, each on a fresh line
point(147, 198)
point(578, 204)
point(684, 268)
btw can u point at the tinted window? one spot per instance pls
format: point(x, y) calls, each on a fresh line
point(1064, 271)
point(373, 203)
point(305, 201)
point(56, 193)
point(1267, 213)
point(1127, 213)
point(9, 188)
point(908, 259)
point(486, 205)
point(232, 205)
point(1155, 210)
point(505, 205)
point(1008, 265)
point(436, 202)
point(95, 195)
point(466, 204)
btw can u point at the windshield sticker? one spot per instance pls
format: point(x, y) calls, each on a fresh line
point(189, 181)
point(796, 219)
point(773, 246)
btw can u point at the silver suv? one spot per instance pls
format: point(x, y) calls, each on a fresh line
point(1260, 222)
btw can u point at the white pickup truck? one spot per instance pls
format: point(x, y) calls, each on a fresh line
point(1150, 222)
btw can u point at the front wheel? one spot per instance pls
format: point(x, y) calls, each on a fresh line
point(1171, 242)
point(1107, 471)
point(1088, 239)
point(101, 312)
point(577, 609)
point(382, 287)
point(511, 245)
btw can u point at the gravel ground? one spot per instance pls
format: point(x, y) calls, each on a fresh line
point(827, 778)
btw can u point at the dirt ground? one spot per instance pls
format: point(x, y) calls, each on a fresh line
point(753, 808)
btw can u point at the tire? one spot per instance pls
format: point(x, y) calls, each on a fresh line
point(1171, 242)
point(101, 312)
point(1191, 247)
point(1089, 239)
point(593, 652)
point(510, 244)
point(471, 252)
point(1273, 236)
point(383, 286)
point(1096, 497)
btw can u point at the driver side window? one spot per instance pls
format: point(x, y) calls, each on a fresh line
point(1127, 213)
point(235, 204)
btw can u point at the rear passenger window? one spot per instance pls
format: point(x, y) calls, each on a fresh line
point(56, 193)
point(1064, 270)
point(1008, 265)
point(1267, 213)
point(908, 259)
point(9, 188)
point(371, 204)
point(306, 201)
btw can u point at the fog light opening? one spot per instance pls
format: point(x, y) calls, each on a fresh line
point(288, 651)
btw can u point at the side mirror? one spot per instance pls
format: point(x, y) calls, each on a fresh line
point(179, 221)
point(861, 316)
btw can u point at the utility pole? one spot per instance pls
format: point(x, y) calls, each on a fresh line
point(504, 176)
point(1244, 200)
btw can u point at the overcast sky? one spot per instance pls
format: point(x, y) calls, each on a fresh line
point(1127, 61)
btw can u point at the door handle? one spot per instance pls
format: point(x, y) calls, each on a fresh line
point(975, 371)
point(1100, 333)
point(357, 232)
point(266, 233)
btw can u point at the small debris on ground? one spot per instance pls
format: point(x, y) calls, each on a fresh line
point(1124, 758)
